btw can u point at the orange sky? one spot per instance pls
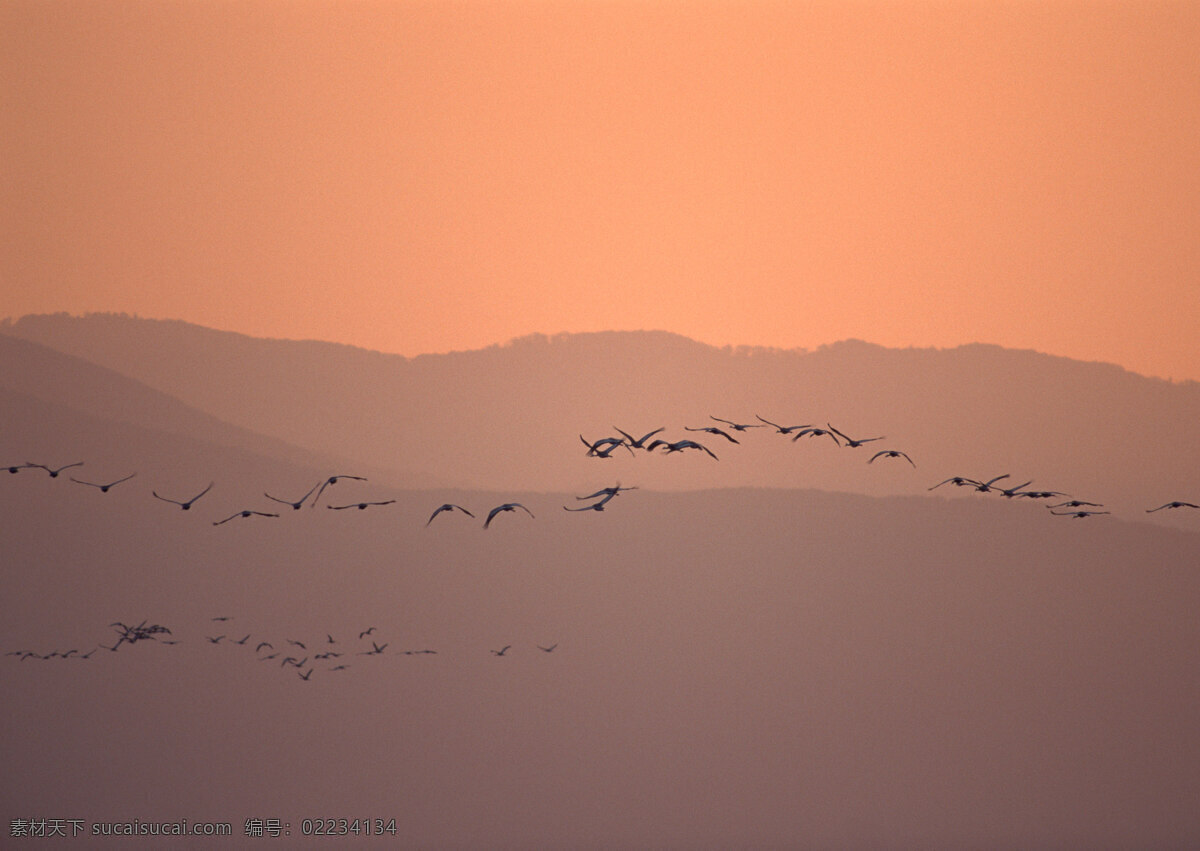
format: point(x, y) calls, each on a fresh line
point(419, 177)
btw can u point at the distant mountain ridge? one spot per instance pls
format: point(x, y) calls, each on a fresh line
point(510, 416)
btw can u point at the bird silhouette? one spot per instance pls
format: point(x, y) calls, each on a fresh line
point(447, 506)
point(783, 429)
point(851, 442)
point(612, 491)
point(365, 633)
point(1174, 504)
point(54, 471)
point(501, 651)
point(604, 447)
point(597, 506)
point(957, 481)
point(1076, 503)
point(103, 488)
point(245, 513)
point(891, 453)
point(715, 431)
point(549, 649)
point(1078, 513)
point(332, 480)
point(16, 468)
point(986, 487)
point(813, 431)
point(184, 505)
point(737, 426)
point(296, 505)
point(361, 505)
point(679, 446)
point(1013, 491)
point(508, 506)
point(640, 443)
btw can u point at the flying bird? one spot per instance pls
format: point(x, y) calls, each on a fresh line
point(610, 445)
point(16, 468)
point(986, 487)
point(508, 506)
point(783, 429)
point(640, 443)
point(713, 430)
point(245, 513)
point(54, 472)
point(852, 443)
point(549, 649)
point(185, 505)
point(813, 431)
point(501, 651)
point(1076, 503)
point(1015, 491)
point(447, 506)
point(365, 633)
point(1175, 504)
point(332, 480)
point(103, 488)
point(613, 491)
point(892, 453)
point(361, 505)
point(296, 505)
point(957, 481)
point(598, 506)
point(679, 446)
point(736, 426)
point(1078, 513)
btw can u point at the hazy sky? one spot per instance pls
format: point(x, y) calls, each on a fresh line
point(420, 177)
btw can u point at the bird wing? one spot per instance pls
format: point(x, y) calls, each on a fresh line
point(625, 435)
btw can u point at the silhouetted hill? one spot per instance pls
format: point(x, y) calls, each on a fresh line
point(509, 416)
point(83, 402)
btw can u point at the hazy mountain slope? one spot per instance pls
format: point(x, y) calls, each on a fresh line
point(36, 371)
point(734, 668)
point(509, 416)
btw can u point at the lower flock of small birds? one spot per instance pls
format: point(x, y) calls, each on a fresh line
point(331, 655)
point(325, 654)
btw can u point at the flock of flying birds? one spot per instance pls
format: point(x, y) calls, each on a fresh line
point(604, 448)
point(338, 656)
point(304, 657)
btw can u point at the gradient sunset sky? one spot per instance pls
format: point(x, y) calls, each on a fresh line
point(432, 176)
